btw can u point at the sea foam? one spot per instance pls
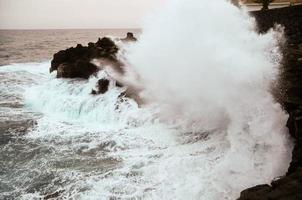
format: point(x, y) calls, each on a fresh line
point(209, 126)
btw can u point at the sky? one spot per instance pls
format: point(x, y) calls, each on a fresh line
point(64, 14)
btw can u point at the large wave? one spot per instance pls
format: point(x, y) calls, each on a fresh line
point(208, 129)
point(207, 69)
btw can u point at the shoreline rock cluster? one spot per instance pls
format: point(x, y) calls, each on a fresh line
point(288, 187)
point(77, 62)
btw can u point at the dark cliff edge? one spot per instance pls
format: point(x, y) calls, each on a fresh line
point(288, 187)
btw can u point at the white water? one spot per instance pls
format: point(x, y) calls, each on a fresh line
point(210, 127)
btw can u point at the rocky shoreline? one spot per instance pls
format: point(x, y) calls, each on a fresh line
point(86, 61)
point(288, 187)
point(77, 63)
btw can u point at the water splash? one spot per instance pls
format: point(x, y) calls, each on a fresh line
point(210, 127)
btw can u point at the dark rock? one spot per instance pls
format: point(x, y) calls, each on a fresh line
point(76, 62)
point(129, 38)
point(289, 17)
point(296, 157)
point(294, 123)
point(106, 43)
point(79, 46)
point(290, 106)
point(79, 69)
point(256, 192)
point(94, 92)
point(91, 44)
point(288, 187)
point(103, 85)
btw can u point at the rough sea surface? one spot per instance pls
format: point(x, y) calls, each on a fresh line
point(57, 139)
point(21, 46)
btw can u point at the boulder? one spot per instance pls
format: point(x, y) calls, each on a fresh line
point(129, 38)
point(75, 62)
point(102, 87)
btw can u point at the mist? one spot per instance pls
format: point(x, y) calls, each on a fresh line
point(211, 72)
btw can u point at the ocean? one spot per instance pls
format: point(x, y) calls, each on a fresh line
point(209, 127)
point(21, 46)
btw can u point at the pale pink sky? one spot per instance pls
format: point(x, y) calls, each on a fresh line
point(44, 14)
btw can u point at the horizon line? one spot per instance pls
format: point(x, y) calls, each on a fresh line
point(38, 29)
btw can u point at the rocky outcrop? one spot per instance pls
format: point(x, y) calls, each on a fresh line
point(76, 62)
point(288, 187)
point(129, 38)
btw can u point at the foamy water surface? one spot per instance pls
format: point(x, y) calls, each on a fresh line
point(209, 128)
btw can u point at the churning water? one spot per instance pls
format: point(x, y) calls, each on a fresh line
point(209, 127)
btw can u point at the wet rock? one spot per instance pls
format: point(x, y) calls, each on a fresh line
point(102, 87)
point(76, 62)
point(129, 38)
point(289, 17)
point(296, 158)
point(94, 92)
point(79, 69)
point(107, 45)
point(288, 187)
point(294, 123)
point(85, 61)
point(256, 193)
